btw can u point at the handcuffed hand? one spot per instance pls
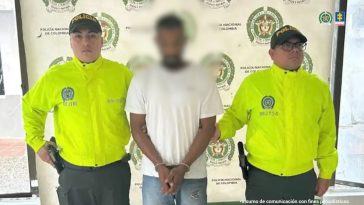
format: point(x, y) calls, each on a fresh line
point(175, 178)
point(163, 173)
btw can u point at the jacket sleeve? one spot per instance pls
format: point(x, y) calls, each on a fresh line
point(236, 116)
point(36, 104)
point(327, 156)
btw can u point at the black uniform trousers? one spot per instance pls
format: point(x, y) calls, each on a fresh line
point(265, 188)
point(107, 185)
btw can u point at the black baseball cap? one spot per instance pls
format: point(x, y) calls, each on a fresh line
point(84, 20)
point(284, 33)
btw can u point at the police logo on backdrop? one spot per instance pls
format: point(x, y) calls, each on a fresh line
point(262, 23)
point(307, 63)
point(60, 6)
point(216, 4)
point(325, 18)
point(137, 63)
point(222, 68)
point(296, 1)
point(68, 94)
point(60, 60)
point(136, 155)
point(268, 102)
point(340, 18)
point(220, 153)
point(110, 30)
point(136, 4)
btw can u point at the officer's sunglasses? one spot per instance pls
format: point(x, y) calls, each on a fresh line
point(91, 36)
point(289, 46)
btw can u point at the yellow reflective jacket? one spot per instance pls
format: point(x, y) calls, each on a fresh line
point(290, 122)
point(88, 100)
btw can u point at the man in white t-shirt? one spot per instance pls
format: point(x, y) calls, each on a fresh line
point(178, 104)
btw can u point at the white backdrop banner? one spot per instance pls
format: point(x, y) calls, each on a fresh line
point(230, 36)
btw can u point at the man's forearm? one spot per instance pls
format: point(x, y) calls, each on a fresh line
point(201, 140)
point(145, 144)
point(137, 123)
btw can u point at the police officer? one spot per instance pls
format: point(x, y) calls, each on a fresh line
point(290, 123)
point(87, 95)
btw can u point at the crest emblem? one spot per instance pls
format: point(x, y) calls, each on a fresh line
point(268, 102)
point(68, 94)
point(262, 23)
point(307, 63)
point(60, 6)
point(222, 68)
point(220, 153)
point(136, 155)
point(136, 5)
point(340, 18)
point(110, 30)
point(325, 18)
point(216, 4)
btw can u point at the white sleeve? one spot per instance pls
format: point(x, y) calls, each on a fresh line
point(135, 101)
point(211, 102)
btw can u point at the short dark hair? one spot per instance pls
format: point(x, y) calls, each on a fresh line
point(169, 21)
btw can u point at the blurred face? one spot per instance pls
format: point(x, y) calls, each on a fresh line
point(86, 45)
point(289, 55)
point(171, 43)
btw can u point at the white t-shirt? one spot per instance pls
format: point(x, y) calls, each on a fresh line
point(174, 102)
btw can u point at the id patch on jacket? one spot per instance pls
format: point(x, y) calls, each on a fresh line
point(68, 95)
point(268, 102)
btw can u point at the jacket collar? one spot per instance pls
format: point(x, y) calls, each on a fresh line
point(88, 66)
point(281, 72)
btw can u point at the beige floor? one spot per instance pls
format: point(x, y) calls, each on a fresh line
point(22, 201)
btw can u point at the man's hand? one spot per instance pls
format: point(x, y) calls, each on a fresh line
point(43, 153)
point(217, 134)
point(322, 186)
point(175, 178)
point(163, 173)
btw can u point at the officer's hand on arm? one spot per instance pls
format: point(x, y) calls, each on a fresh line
point(322, 186)
point(44, 155)
point(217, 134)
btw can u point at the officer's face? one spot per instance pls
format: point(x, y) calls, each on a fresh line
point(287, 59)
point(86, 45)
point(171, 43)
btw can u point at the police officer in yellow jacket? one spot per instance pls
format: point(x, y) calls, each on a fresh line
point(87, 96)
point(290, 123)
